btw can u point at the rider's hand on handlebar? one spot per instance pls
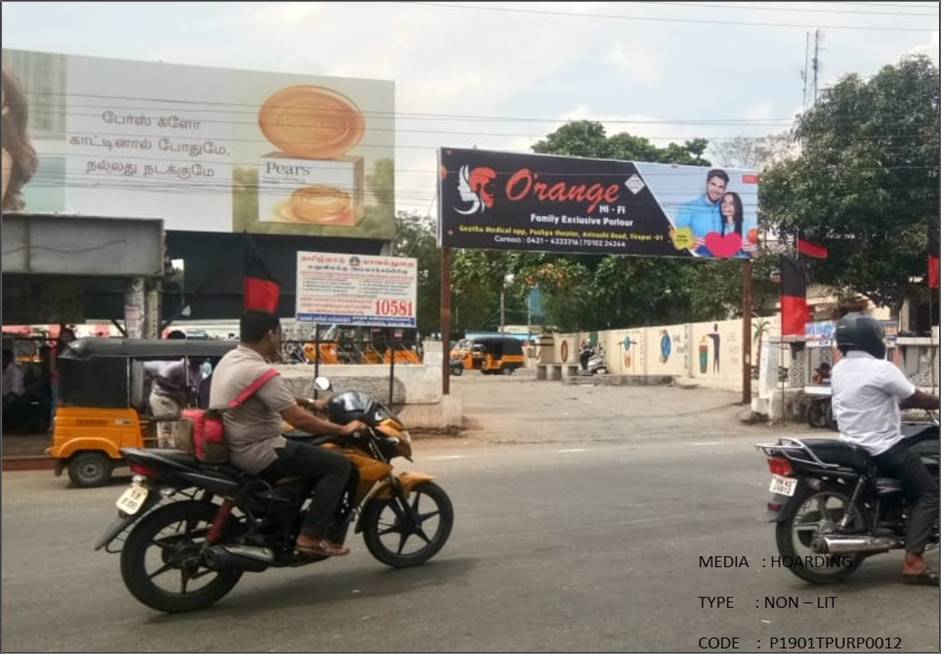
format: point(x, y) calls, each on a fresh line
point(351, 428)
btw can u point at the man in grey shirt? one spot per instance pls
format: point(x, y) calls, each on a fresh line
point(253, 430)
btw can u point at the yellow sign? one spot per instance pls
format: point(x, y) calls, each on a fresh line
point(683, 238)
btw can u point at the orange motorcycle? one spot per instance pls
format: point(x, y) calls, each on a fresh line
point(187, 530)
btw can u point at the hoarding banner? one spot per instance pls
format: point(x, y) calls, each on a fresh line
point(205, 149)
point(353, 289)
point(511, 201)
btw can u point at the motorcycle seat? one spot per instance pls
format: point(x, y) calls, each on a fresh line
point(835, 451)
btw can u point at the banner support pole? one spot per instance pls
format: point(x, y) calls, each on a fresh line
point(445, 321)
point(316, 356)
point(746, 331)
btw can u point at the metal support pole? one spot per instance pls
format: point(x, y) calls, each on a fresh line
point(746, 331)
point(316, 356)
point(502, 309)
point(445, 321)
point(391, 367)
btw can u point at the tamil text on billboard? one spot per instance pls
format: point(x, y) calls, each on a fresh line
point(353, 289)
point(568, 204)
point(205, 149)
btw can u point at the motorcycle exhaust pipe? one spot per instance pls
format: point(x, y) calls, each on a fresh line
point(239, 557)
point(856, 544)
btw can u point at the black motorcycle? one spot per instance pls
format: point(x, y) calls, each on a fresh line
point(832, 508)
point(198, 527)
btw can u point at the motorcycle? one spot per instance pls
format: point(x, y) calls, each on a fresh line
point(593, 361)
point(187, 531)
point(597, 364)
point(832, 508)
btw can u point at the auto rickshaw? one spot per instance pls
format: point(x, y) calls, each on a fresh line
point(104, 400)
point(461, 357)
point(492, 355)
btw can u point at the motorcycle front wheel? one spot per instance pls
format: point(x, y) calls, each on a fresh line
point(818, 514)
point(393, 537)
point(161, 562)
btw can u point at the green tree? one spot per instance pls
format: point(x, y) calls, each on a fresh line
point(866, 180)
point(598, 292)
point(415, 236)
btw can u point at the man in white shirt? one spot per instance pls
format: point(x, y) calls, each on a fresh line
point(868, 394)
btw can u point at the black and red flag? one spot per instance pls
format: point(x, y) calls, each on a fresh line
point(812, 249)
point(262, 290)
point(934, 275)
point(794, 310)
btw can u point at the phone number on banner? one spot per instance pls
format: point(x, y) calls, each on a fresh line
point(347, 319)
point(578, 242)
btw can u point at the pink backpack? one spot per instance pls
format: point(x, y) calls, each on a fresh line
point(201, 431)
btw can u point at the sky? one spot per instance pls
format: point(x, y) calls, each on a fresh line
point(668, 71)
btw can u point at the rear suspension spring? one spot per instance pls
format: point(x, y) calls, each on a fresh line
point(218, 523)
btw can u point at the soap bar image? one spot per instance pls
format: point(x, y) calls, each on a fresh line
point(311, 122)
point(310, 191)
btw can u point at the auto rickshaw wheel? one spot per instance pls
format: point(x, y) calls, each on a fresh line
point(90, 469)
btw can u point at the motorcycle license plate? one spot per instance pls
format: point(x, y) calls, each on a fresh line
point(783, 485)
point(132, 499)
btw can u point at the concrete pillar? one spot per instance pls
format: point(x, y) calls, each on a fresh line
point(134, 308)
point(152, 311)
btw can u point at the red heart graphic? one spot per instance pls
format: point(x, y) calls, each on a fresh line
point(723, 247)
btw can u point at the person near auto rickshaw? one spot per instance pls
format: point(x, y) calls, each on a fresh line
point(175, 386)
point(822, 374)
point(13, 391)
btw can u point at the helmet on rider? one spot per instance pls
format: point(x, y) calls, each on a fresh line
point(856, 331)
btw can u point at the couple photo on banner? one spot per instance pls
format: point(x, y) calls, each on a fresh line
point(714, 223)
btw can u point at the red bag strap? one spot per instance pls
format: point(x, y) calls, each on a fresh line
point(253, 388)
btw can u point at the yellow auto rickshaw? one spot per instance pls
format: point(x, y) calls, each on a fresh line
point(104, 400)
point(491, 355)
point(461, 357)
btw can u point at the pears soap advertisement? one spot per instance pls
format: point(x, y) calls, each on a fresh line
point(205, 149)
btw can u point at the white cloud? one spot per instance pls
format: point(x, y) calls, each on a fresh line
point(639, 64)
point(930, 48)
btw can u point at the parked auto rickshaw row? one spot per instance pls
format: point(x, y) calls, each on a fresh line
point(341, 352)
point(491, 355)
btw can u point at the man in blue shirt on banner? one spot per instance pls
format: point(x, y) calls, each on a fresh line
point(702, 214)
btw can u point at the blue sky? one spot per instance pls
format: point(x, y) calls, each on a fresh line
point(580, 62)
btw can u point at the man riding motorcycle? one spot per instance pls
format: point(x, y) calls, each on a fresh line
point(253, 429)
point(868, 392)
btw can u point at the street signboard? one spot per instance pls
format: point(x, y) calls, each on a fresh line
point(535, 202)
point(355, 289)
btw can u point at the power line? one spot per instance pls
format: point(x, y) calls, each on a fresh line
point(717, 5)
point(546, 12)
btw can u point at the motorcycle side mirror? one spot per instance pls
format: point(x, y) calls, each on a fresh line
point(322, 384)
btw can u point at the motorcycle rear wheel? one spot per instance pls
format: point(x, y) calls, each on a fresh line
point(385, 522)
point(178, 551)
point(821, 509)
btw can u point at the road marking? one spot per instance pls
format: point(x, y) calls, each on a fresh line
point(444, 457)
point(709, 443)
point(573, 449)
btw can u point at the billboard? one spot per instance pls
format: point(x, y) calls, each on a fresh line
point(205, 149)
point(355, 289)
point(504, 200)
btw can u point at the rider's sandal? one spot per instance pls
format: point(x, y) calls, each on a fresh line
point(322, 548)
point(927, 578)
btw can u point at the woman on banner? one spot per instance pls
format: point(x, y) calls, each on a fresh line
point(733, 218)
point(19, 156)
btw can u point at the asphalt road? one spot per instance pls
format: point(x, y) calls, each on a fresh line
point(584, 541)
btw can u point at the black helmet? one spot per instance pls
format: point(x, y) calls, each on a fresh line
point(856, 331)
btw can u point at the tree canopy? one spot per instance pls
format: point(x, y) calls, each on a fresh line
point(865, 183)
